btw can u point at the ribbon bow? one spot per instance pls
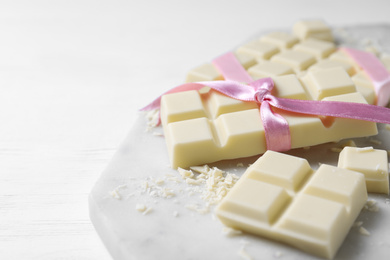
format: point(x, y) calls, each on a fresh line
point(276, 127)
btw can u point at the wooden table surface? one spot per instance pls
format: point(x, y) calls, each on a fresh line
point(72, 76)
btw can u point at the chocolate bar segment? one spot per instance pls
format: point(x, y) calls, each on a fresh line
point(280, 197)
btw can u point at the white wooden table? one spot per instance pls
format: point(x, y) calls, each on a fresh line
point(72, 76)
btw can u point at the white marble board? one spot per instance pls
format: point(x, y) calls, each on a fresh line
point(172, 229)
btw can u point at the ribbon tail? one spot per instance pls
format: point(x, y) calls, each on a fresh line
point(377, 72)
point(350, 110)
point(276, 128)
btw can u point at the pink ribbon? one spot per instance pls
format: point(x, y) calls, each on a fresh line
point(275, 126)
point(378, 74)
point(231, 68)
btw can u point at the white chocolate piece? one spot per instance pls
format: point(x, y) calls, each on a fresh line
point(258, 49)
point(371, 162)
point(312, 29)
point(329, 82)
point(324, 36)
point(280, 197)
point(282, 39)
point(295, 59)
point(246, 60)
point(288, 86)
point(331, 63)
point(269, 69)
point(365, 87)
point(268, 170)
point(342, 56)
point(320, 49)
point(204, 128)
point(205, 72)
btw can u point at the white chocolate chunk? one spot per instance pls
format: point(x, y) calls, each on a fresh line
point(364, 231)
point(201, 169)
point(185, 174)
point(205, 72)
point(371, 162)
point(312, 29)
point(266, 170)
point(231, 232)
point(331, 182)
point(262, 204)
point(324, 36)
point(173, 107)
point(330, 64)
point(258, 49)
point(282, 39)
point(320, 49)
point(371, 205)
point(329, 82)
point(218, 104)
point(142, 208)
point(288, 86)
point(245, 60)
point(297, 60)
point(282, 198)
point(269, 69)
point(342, 56)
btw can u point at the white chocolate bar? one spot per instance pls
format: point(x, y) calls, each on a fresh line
point(204, 128)
point(371, 162)
point(303, 66)
point(280, 197)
